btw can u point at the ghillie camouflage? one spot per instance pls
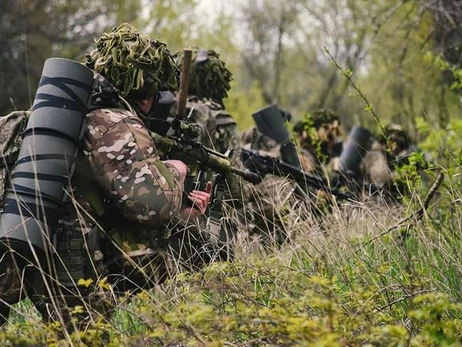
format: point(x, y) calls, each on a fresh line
point(135, 64)
point(210, 78)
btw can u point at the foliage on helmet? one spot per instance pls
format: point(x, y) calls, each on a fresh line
point(136, 65)
point(314, 121)
point(305, 130)
point(397, 134)
point(210, 78)
point(323, 116)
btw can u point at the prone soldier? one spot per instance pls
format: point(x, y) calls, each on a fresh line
point(121, 198)
point(319, 135)
point(387, 161)
point(269, 142)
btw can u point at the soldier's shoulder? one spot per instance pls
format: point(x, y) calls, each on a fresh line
point(99, 121)
point(200, 110)
point(109, 115)
point(222, 116)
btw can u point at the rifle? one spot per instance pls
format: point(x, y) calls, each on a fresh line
point(269, 165)
point(183, 146)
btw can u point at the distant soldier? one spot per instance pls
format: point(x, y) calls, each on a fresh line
point(271, 200)
point(253, 139)
point(397, 145)
point(319, 135)
point(390, 154)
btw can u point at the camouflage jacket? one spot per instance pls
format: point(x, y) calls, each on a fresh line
point(124, 162)
point(219, 132)
point(119, 173)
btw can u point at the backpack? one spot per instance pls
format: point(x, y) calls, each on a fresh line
point(11, 130)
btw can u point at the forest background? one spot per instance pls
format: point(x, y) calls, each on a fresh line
point(401, 54)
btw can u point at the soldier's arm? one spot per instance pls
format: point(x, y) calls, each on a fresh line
point(125, 162)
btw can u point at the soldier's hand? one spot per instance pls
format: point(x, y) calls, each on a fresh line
point(179, 166)
point(200, 200)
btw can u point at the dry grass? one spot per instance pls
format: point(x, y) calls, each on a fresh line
point(344, 276)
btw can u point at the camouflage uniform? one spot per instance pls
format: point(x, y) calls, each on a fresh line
point(270, 201)
point(122, 195)
point(319, 135)
point(124, 161)
point(318, 147)
point(253, 139)
point(120, 184)
point(388, 155)
point(221, 134)
point(208, 86)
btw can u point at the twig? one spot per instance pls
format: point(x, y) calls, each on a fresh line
point(347, 74)
point(417, 214)
point(380, 309)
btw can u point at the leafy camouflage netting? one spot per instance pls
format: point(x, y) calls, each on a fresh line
point(316, 120)
point(210, 77)
point(136, 65)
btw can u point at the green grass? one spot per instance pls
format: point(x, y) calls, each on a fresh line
point(356, 281)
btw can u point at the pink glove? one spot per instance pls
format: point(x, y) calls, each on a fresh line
point(179, 166)
point(200, 201)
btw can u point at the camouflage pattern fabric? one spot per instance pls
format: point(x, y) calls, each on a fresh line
point(11, 128)
point(219, 132)
point(227, 136)
point(252, 139)
point(124, 160)
point(273, 199)
point(15, 282)
point(121, 183)
point(267, 201)
point(308, 161)
point(385, 162)
point(10, 279)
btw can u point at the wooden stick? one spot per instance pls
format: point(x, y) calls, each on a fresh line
point(184, 83)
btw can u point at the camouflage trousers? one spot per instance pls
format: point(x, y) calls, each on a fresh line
point(12, 289)
point(80, 301)
point(20, 279)
point(181, 247)
point(277, 205)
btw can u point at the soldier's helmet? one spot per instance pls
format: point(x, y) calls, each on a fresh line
point(138, 66)
point(210, 78)
point(323, 117)
point(397, 136)
point(325, 122)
